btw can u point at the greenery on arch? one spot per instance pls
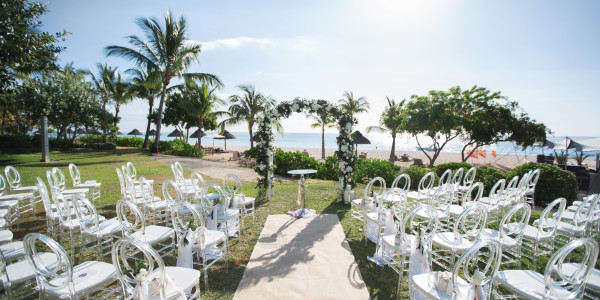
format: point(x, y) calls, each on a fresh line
point(264, 141)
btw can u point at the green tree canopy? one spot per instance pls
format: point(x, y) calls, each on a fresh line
point(392, 120)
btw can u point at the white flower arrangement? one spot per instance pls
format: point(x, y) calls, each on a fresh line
point(140, 275)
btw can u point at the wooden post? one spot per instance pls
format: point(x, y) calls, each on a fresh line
point(45, 145)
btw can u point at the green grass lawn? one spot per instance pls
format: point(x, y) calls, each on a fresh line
point(320, 195)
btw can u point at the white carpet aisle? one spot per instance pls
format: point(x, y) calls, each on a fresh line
point(302, 259)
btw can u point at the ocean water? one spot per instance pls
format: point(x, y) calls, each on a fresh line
point(379, 141)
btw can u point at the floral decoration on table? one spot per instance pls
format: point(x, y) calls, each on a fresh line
point(264, 142)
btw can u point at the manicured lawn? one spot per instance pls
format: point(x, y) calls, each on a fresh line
point(320, 195)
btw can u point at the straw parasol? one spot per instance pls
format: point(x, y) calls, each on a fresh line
point(152, 132)
point(214, 136)
point(226, 136)
point(359, 138)
point(175, 133)
point(198, 134)
point(135, 132)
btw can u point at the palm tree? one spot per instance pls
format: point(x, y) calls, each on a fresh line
point(353, 105)
point(391, 121)
point(199, 101)
point(145, 85)
point(244, 108)
point(166, 50)
point(121, 95)
point(321, 120)
point(104, 84)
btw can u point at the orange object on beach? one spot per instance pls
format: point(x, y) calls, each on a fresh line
point(482, 152)
point(474, 154)
point(493, 150)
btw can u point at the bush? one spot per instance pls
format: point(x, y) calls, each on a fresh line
point(329, 169)
point(553, 183)
point(488, 176)
point(252, 152)
point(441, 168)
point(61, 144)
point(91, 141)
point(369, 168)
point(177, 147)
point(247, 162)
point(131, 141)
point(16, 143)
point(416, 173)
point(286, 161)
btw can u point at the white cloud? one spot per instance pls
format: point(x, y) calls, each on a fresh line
point(234, 43)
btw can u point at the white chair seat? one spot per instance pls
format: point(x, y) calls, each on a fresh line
point(416, 196)
point(531, 233)
point(25, 189)
point(161, 205)
point(184, 279)
point(424, 284)
point(9, 203)
point(506, 241)
point(108, 227)
point(594, 281)
point(405, 249)
point(247, 201)
point(569, 228)
point(425, 214)
point(22, 271)
point(456, 210)
point(3, 223)
point(12, 251)
point(154, 234)
point(20, 196)
point(3, 213)
point(5, 236)
point(88, 185)
point(446, 240)
point(86, 276)
point(527, 284)
point(229, 214)
point(213, 237)
point(358, 202)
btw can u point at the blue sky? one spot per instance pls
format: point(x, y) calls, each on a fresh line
point(543, 54)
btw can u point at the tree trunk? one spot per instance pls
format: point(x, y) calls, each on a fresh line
point(149, 124)
point(117, 109)
point(323, 141)
point(200, 120)
point(251, 137)
point(159, 117)
point(393, 153)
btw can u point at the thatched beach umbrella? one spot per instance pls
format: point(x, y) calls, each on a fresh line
point(135, 132)
point(80, 131)
point(152, 132)
point(175, 133)
point(198, 134)
point(226, 136)
point(359, 138)
point(214, 136)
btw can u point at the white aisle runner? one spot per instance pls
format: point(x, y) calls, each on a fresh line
point(302, 259)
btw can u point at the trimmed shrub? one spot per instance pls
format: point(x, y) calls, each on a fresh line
point(286, 161)
point(177, 147)
point(369, 168)
point(488, 176)
point(105, 146)
point(61, 144)
point(16, 143)
point(252, 152)
point(91, 141)
point(131, 141)
point(553, 183)
point(416, 173)
point(441, 168)
point(329, 169)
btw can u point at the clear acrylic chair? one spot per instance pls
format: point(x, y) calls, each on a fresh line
point(359, 207)
point(472, 277)
point(446, 178)
point(63, 280)
point(97, 233)
point(402, 182)
point(18, 277)
point(538, 240)
point(185, 185)
point(233, 187)
point(89, 184)
point(52, 216)
point(442, 200)
point(534, 176)
point(467, 181)
point(61, 183)
point(457, 178)
point(227, 218)
point(497, 202)
point(578, 223)
point(378, 217)
point(10, 204)
point(209, 246)
point(424, 191)
point(134, 226)
point(155, 209)
point(162, 282)
point(466, 230)
point(468, 198)
point(559, 284)
point(510, 233)
point(13, 177)
point(413, 233)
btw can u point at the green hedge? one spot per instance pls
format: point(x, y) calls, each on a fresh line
point(329, 169)
point(286, 161)
point(177, 147)
point(416, 173)
point(16, 143)
point(369, 168)
point(131, 141)
point(488, 176)
point(441, 168)
point(553, 183)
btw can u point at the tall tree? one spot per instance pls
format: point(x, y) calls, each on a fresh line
point(145, 84)
point(391, 121)
point(167, 50)
point(321, 120)
point(352, 105)
point(246, 107)
point(104, 81)
point(121, 95)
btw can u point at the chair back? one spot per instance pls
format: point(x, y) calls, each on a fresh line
point(13, 177)
point(215, 195)
point(130, 217)
point(45, 195)
point(497, 191)
point(122, 183)
point(131, 171)
point(232, 185)
point(547, 224)
point(127, 266)
point(52, 184)
point(470, 223)
point(199, 185)
point(442, 197)
point(426, 182)
point(397, 183)
point(3, 185)
point(425, 228)
point(46, 275)
point(75, 174)
point(514, 222)
point(147, 191)
point(584, 251)
point(171, 191)
point(482, 260)
point(470, 177)
point(445, 178)
point(375, 188)
point(585, 212)
point(61, 180)
point(87, 214)
point(533, 179)
point(457, 177)
point(185, 215)
point(473, 194)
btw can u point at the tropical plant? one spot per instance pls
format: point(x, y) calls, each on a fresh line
point(553, 182)
point(104, 82)
point(321, 120)
point(121, 94)
point(352, 105)
point(167, 51)
point(246, 107)
point(145, 84)
point(391, 121)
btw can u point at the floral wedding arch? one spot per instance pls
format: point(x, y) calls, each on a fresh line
point(264, 142)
